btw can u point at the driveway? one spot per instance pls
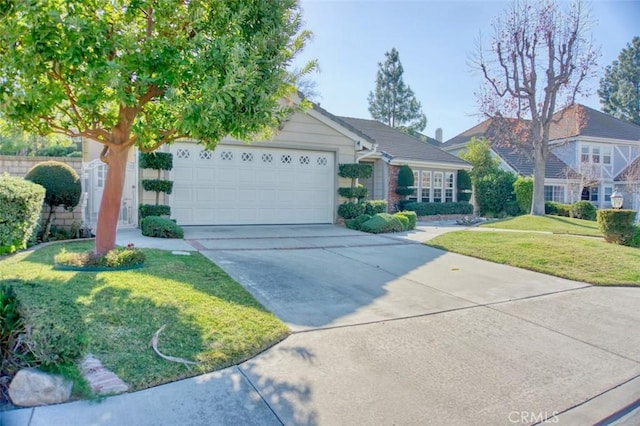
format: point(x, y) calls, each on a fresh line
point(387, 330)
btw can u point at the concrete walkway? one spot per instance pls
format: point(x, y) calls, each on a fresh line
point(388, 331)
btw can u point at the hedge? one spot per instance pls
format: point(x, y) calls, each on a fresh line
point(430, 209)
point(20, 208)
point(557, 209)
point(382, 222)
point(156, 160)
point(357, 222)
point(160, 227)
point(617, 225)
point(351, 210)
point(583, 210)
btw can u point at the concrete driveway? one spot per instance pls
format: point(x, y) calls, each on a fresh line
point(389, 331)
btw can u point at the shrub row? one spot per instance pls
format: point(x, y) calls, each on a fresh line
point(618, 228)
point(353, 210)
point(430, 209)
point(383, 222)
point(160, 227)
point(579, 210)
point(20, 207)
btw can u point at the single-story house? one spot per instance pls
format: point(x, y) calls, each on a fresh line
point(591, 155)
point(290, 179)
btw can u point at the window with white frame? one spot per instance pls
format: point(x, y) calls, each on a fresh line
point(437, 186)
point(554, 193)
point(594, 194)
point(448, 187)
point(416, 184)
point(597, 155)
point(425, 186)
point(608, 190)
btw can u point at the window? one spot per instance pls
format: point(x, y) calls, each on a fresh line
point(437, 187)
point(267, 158)
point(425, 187)
point(554, 193)
point(448, 188)
point(205, 154)
point(304, 159)
point(182, 153)
point(416, 183)
point(322, 161)
point(608, 190)
point(584, 157)
point(285, 159)
point(606, 155)
point(226, 155)
point(247, 156)
point(593, 194)
point(595, 155)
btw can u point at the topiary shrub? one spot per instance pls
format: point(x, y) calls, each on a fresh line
point(358, 192)
point(158, 185)
point(156, 160)
point(412, 217)
point(62, 185)
point(351, 210)
point(373, 207)
point(583, 210)
point(523, 188)
point(159, 227)
point(145, 210)
point(357, 222)
point(403, 220)
point(617, 225)
point(382, 222)
point(20, 207)
point(405, 181)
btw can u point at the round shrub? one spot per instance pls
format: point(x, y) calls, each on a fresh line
point(464, 185)
point(382, 222)
point(351, 210)
point(61, 182)
point(617, 225)
point(357, 222)
point(20, 207)
point(411, 216)
point(375, 206)
point(160, 227)
point(583, 210)
point(403, 220)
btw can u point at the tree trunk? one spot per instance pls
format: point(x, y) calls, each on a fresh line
point(111, 200)
point(474, 200)
point(537, 206)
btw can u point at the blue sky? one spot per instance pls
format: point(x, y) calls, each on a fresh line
point(436, 40)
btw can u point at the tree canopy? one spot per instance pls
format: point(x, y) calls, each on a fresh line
point(539, 55)
point(393, 102)
point(620, 87)
point(144, 72)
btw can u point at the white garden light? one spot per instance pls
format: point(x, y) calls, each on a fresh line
point(616, 199)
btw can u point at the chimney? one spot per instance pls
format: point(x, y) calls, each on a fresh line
point(439, 134)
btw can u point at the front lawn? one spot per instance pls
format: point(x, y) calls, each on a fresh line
point(209, 317)
point(553, 224)
point(577, 258)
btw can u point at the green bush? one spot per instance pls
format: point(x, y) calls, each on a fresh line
point(557, 209)
point(635, 240)
point(61, 182)
point(373, 207)
point(617, 225)
point(403, 220)
point(158, 185)
point(116, 258)
point(464, 185)
point(57, 151)
point(357, 222)
point(430, 209)
point(355, 170)
point(512, 208)
point(494, 191)
point(382, 222)
point(20, 207)
point(58, 332)
point(583, 210)
point(359, 192)
point(405, 180)
point(159, 227)
point(412, 217)
point(145, 210)
point(351, 210)
point(156, 160)
point(523, 188)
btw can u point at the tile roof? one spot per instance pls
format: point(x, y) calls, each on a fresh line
point(399, 145)
point(521, 164)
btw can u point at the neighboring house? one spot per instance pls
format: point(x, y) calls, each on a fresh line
point(591, 155)
point(291, 179)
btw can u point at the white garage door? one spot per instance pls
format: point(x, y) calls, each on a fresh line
point(251, 185)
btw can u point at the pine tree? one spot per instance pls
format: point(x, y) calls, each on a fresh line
point(620, 87)
point(394, 103)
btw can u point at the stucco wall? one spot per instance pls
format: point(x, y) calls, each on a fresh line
point(19, 166)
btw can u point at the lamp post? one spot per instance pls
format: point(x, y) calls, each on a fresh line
point(616, 200)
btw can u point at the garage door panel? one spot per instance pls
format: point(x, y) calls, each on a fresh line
point(252, 185)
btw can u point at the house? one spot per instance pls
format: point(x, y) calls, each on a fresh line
point(591, 155)
point(290, 179)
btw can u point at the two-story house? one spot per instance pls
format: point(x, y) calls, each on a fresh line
point(591, 155)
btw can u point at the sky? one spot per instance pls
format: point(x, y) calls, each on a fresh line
point(437, 40)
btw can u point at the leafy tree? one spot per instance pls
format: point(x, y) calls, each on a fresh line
point(394, 103)
point(538, 57)
point(478, 154)
point(620, 87)
point(495, 191)
point(143, 73)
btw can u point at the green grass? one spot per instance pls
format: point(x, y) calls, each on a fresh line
point(553, 224)
point(577, 258)
point(210, 318)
